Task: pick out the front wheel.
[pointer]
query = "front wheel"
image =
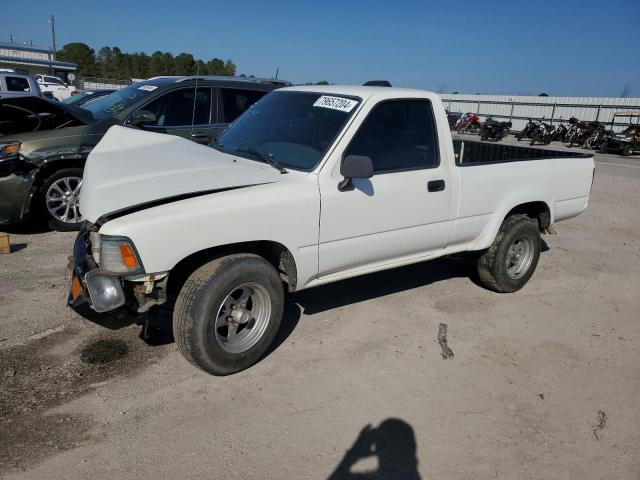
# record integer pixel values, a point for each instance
(510, 261)
(60, 194)
(627, 150)
(228, 313)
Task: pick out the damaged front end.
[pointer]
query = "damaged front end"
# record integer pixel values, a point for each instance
(108, 276)
(17, 177)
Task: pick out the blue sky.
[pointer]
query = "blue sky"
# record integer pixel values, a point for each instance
(562, 47)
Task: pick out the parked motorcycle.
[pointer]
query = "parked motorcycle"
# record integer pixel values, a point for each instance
(494, 130)
(469, 123)
(599, 136)
(542, 134)
(528, 130)
(453, 119)
(559, 132)
(575, 126)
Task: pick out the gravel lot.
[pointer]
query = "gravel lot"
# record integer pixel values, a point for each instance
(544, 383)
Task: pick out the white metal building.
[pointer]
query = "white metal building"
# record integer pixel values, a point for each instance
(29, 60)
(518, 109)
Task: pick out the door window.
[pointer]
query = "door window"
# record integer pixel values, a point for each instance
(235, 102)
(17, 84)
(398, 135)
(182, 107)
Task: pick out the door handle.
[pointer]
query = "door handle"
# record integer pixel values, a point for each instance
(435, 185)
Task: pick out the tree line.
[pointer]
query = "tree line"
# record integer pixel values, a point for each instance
(113, 63)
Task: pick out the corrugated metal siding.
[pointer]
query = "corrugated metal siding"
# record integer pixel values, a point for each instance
(519, 108)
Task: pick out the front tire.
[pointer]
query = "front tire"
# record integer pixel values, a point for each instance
(59, 199)
(510, 261)
(627, 151)
(228, 313)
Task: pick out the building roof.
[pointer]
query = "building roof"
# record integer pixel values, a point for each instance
(38, 63)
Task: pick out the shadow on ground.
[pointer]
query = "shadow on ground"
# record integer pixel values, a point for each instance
(392, 444)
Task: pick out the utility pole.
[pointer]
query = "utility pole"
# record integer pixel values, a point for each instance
(277, 71)
(52, 21)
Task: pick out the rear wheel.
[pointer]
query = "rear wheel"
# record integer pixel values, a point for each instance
(228, 313)
(59, 199)
(626, 149)
(510, 261)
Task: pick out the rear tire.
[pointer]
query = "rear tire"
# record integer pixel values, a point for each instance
(228, 312)
(510, 261)
(627, 150)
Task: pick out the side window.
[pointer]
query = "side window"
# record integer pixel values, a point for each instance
(17, 84)
(176, 109)
(235, 102)
(398, 135)
(55, 80)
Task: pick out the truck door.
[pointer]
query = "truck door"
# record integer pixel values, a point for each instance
(404, 210)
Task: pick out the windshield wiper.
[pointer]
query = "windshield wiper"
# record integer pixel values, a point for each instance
(265, 157)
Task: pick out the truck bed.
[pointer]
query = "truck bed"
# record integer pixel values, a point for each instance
(470, 153)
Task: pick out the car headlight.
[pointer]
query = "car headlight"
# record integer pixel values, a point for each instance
(118, 255)
(9, 149)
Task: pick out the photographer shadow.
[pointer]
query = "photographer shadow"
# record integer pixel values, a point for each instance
(394, 445)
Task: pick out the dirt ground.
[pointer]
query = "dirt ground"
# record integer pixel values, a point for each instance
(543, 383)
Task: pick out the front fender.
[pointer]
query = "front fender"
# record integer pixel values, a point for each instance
(166, 234)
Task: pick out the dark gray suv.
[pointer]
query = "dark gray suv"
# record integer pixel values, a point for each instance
(41, 171)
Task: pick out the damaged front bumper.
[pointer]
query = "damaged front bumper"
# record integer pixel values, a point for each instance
(95, 291)
(90, 288)
(16, 193)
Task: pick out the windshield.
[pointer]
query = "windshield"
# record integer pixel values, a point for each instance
(111, 104)
(293, 128)
(73, 99)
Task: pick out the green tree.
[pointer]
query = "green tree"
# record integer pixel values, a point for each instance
(184, 64)
(82, 55)
(113, 63)
(215, 66)
(543, 94)
(229, 68)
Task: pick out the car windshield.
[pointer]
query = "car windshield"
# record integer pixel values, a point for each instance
(111, 104)
(73, 99)
(293, 128)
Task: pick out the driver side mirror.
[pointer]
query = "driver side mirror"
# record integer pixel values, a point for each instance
(354, 166)
(142, 118)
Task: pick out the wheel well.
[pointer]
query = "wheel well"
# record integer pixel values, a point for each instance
(538, 210)
(275, 253)
(53, 166)
(43, 172)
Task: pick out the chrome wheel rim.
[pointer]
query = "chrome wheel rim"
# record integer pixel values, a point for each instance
(62, 199)
(243, 317)
(519, 257)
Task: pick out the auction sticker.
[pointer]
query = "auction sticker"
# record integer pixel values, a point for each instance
(336, 103)
(147, 88)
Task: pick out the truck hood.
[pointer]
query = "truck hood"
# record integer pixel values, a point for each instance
(130, 170)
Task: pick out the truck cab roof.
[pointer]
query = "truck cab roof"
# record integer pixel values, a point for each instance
(363, 92)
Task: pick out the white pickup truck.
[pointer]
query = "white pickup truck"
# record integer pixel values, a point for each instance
(311, 185)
